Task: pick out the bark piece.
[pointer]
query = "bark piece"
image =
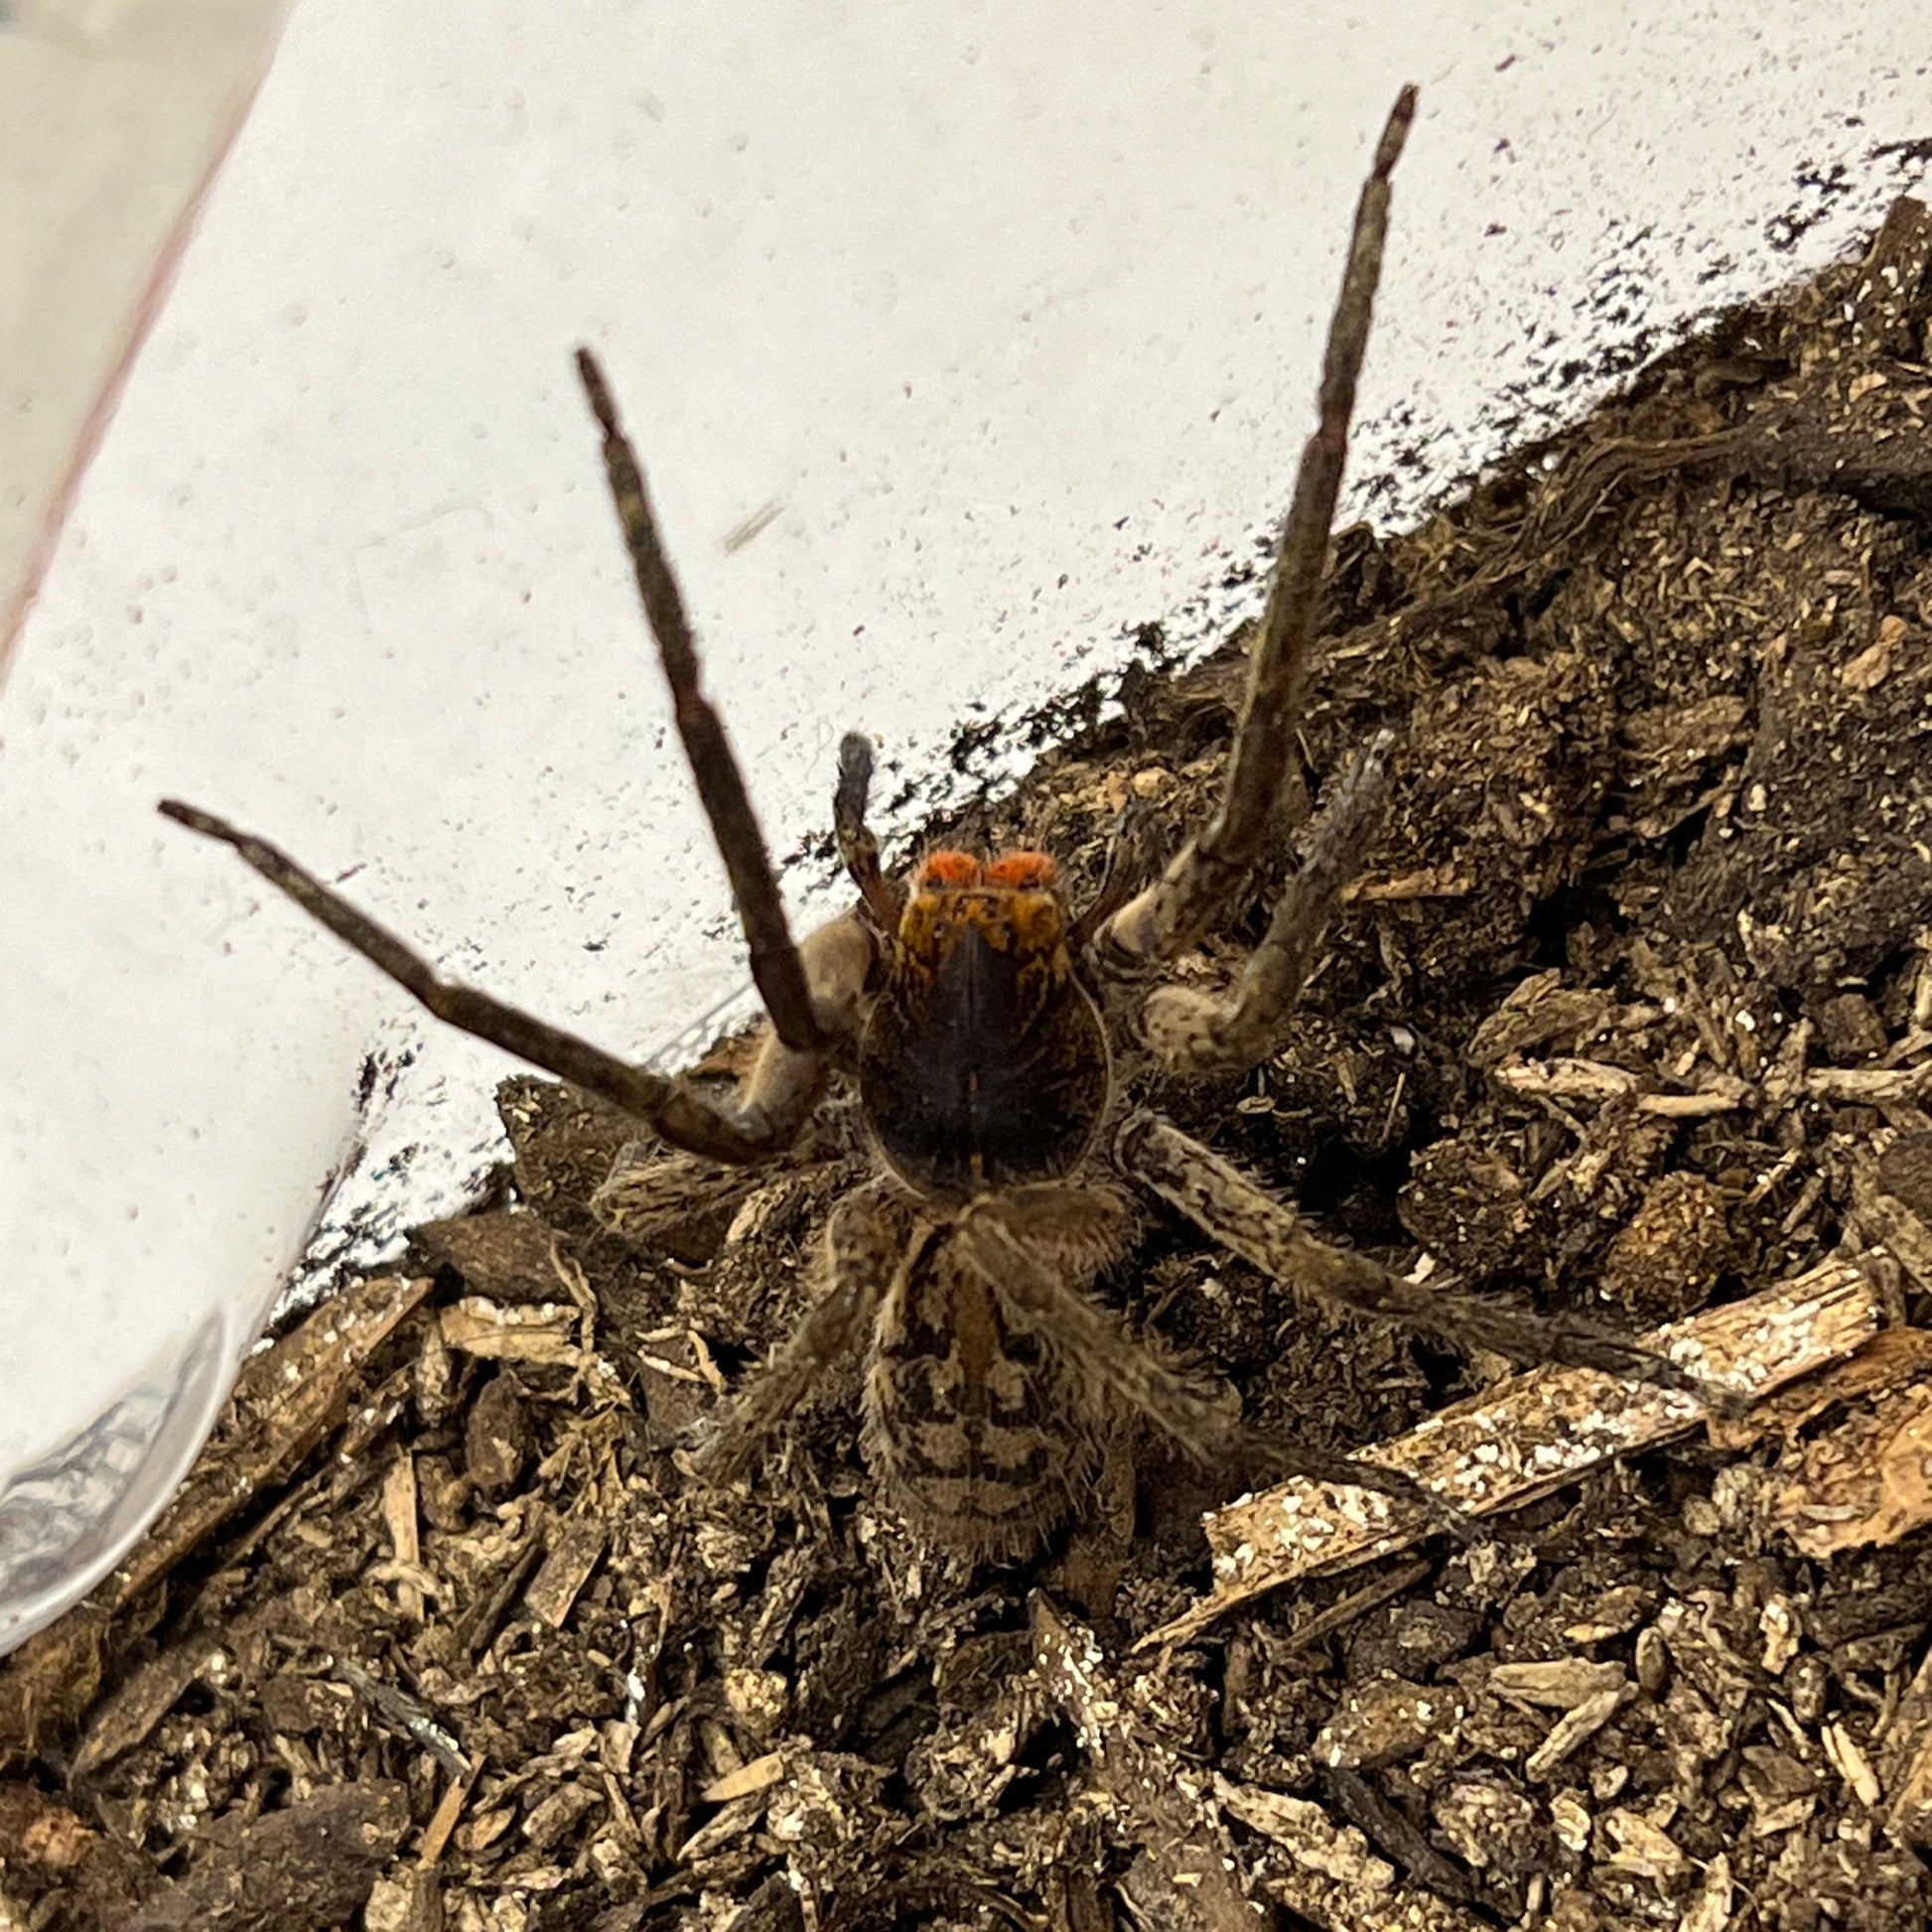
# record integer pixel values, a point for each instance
(286, 1400)
(126, 1718)
(1528, 1437)
(399, 1515)
(1383, 1722)
(508, 1255)
(544, 1331)
(1868, 1481)
(1164, 1802)
(1561, 1684)
(1892, 1358)
(41, 1835)
(1329, 1873)
(573, 1553)
(1907, 1770)
(496, 1436)
(299, 1870)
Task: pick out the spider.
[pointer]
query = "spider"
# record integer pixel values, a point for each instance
(960, 1003)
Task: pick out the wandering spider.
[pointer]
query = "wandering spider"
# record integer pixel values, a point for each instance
(961, 1006)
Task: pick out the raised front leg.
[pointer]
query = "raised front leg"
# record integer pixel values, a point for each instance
(814, 994)
(1175, 912)
(776, 969)
(771, 1108)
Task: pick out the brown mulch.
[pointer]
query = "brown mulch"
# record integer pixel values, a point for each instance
(1632, 1013)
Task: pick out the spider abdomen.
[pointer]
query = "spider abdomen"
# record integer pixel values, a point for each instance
(974, 1422)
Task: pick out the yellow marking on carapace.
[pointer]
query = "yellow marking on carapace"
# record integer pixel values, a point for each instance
(1028, 924)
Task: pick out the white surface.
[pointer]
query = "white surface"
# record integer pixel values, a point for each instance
(1014, 310)
(112, 115)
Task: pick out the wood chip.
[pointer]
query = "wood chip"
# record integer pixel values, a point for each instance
(1869, 1086)
(1866, 1482)
(543, 1333)
(1614, 1613)
(1869, 668)
(1852, 1764)
(1568, 1080)
(1426, 882)
(286, 1400)
(573, 1553)
(1722, 1093)
(1909, 1761)
(1309, 1835)
(1885, 1222)
(448, 1809)
(1335, 1881)
(124, 1719)
(504, 1256)
(758, 1775)
(308, 1865)
(1575, 1729)
(1528, 1437)
(1710, 1910)
(1165, 1802)
(1562, 1684)
(1892, 1357)
(731, 1824)
(41, 1839)
(1643, 1848)
(399, 1518)
(411, 1901)
(1884, 304)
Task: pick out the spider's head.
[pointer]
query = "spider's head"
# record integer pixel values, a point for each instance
(984, 1064)
(1012, 902)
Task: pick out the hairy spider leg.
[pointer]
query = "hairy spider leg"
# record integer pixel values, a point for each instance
(1198, 1031)
(864, 1248)
(813, 993)
(1243, 1217)
(776, 969)
(1173, 912)
(765, 1123)
(1198, 1425)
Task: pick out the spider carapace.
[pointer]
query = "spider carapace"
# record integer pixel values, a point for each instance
(984, 1063)
(961, 1004)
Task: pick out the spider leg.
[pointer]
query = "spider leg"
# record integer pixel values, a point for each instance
(1244, 1218)
(1198, 1425)
(1129, 860)
(858, 847)
(864, 1247)
(812, 992)
(776, 969)
(1195, 1031)
(777, 1097)
(1173, 913)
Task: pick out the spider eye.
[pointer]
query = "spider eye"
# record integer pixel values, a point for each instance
(1028, 872)
(949, 870)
